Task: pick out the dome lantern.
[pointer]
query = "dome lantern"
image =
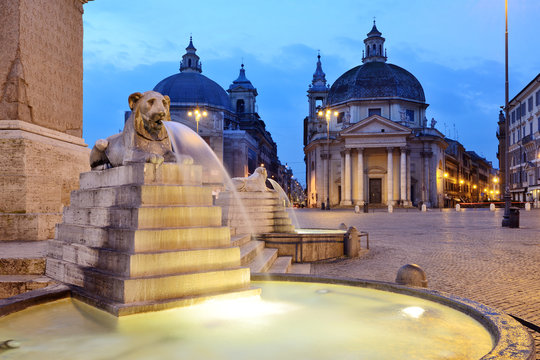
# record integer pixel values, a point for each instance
(190, 60)
(374, 46)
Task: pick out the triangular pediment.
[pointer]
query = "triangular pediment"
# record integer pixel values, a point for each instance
(376, 124)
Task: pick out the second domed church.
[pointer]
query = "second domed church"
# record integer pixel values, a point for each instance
(367, 139)
(227, 120)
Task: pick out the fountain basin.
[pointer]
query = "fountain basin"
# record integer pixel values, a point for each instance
(296, 317)
(309, 245)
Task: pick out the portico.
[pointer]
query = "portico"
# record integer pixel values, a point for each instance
(374, 161)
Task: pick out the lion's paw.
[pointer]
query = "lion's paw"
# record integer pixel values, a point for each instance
(155, 159)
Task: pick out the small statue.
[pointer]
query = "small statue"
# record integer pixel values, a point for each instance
(424, 122)
(144, 138)
(255, 182)
(433, 122)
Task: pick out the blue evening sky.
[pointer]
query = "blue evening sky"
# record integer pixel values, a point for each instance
(455, 49)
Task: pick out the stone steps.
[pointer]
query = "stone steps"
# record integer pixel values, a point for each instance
(11, 285)
(300, 269)
(241, 239)
(22, 265)
(142, 195)
(144, 240)
(282, 265)
(263, 261)
(146, 263)
(144, 217)
(139, 174)
(250, 250)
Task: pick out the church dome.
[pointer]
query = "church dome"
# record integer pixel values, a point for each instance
(194, 88)
(376, 80)
(190, 87)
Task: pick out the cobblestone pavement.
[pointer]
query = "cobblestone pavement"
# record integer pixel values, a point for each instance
(465, 253)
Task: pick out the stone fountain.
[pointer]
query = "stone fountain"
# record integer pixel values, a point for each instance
(140, 234)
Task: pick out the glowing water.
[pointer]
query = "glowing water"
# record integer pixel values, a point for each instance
(187, 142)
(291, 321)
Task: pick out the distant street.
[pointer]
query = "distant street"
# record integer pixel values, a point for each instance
(465, 253)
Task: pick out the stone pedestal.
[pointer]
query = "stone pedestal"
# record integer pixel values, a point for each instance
(139, 238)
(38, 170)
(254, 212)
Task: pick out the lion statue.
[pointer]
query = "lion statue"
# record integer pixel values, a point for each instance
(144, 138)
(255, 182)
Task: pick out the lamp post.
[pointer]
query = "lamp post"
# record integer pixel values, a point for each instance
(506, 216)
(327, 115)
(198, 114)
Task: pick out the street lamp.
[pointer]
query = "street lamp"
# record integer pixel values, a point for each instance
(506, 216)
(327, 115)
(198, 114)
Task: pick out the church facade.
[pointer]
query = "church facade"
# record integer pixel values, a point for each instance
(367, 138)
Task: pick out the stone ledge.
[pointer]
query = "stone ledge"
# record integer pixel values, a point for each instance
(18, 128)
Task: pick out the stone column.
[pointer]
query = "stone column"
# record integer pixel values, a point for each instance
(360, 177)
(347, 173)
(390, 176)
(324, 177)
(41, 74)
(408, 190)
(342, 177)
(403, 177)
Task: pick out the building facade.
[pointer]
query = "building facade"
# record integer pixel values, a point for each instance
(227, 120)
(524, 143)
(367, 139)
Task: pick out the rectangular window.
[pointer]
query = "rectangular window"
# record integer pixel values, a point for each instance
(531, 127)
(523, 109)
(513, 116)
(514, 136)
(409, 114)
(539, 124)
(538, 98)
(340, 117)
(519, 134)
(374, 112)
(530, 104)
(518, 113)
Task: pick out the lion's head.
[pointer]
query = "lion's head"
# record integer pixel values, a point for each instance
(149, 110)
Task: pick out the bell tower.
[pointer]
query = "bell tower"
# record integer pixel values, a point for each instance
(190, 60)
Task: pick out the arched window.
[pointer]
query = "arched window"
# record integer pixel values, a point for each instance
(240, 106)
(380, 49)
(189, 62)
(374, 49)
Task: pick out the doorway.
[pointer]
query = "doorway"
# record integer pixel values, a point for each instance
(375, 191)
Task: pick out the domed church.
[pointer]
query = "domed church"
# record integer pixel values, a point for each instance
(367, 139)
(227, 120)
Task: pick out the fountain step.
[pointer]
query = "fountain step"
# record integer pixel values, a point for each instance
(120, 309)
(135, 241)
(149, 263)
(259, 223)
(263, 261)
(136, 289)
(257, 196)
(241, 239)
(250, 250)
(282, 265)
(141, 195)
(300, 269)
(11, 285)
(175, 174)
(254, 214)
(144, 217)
